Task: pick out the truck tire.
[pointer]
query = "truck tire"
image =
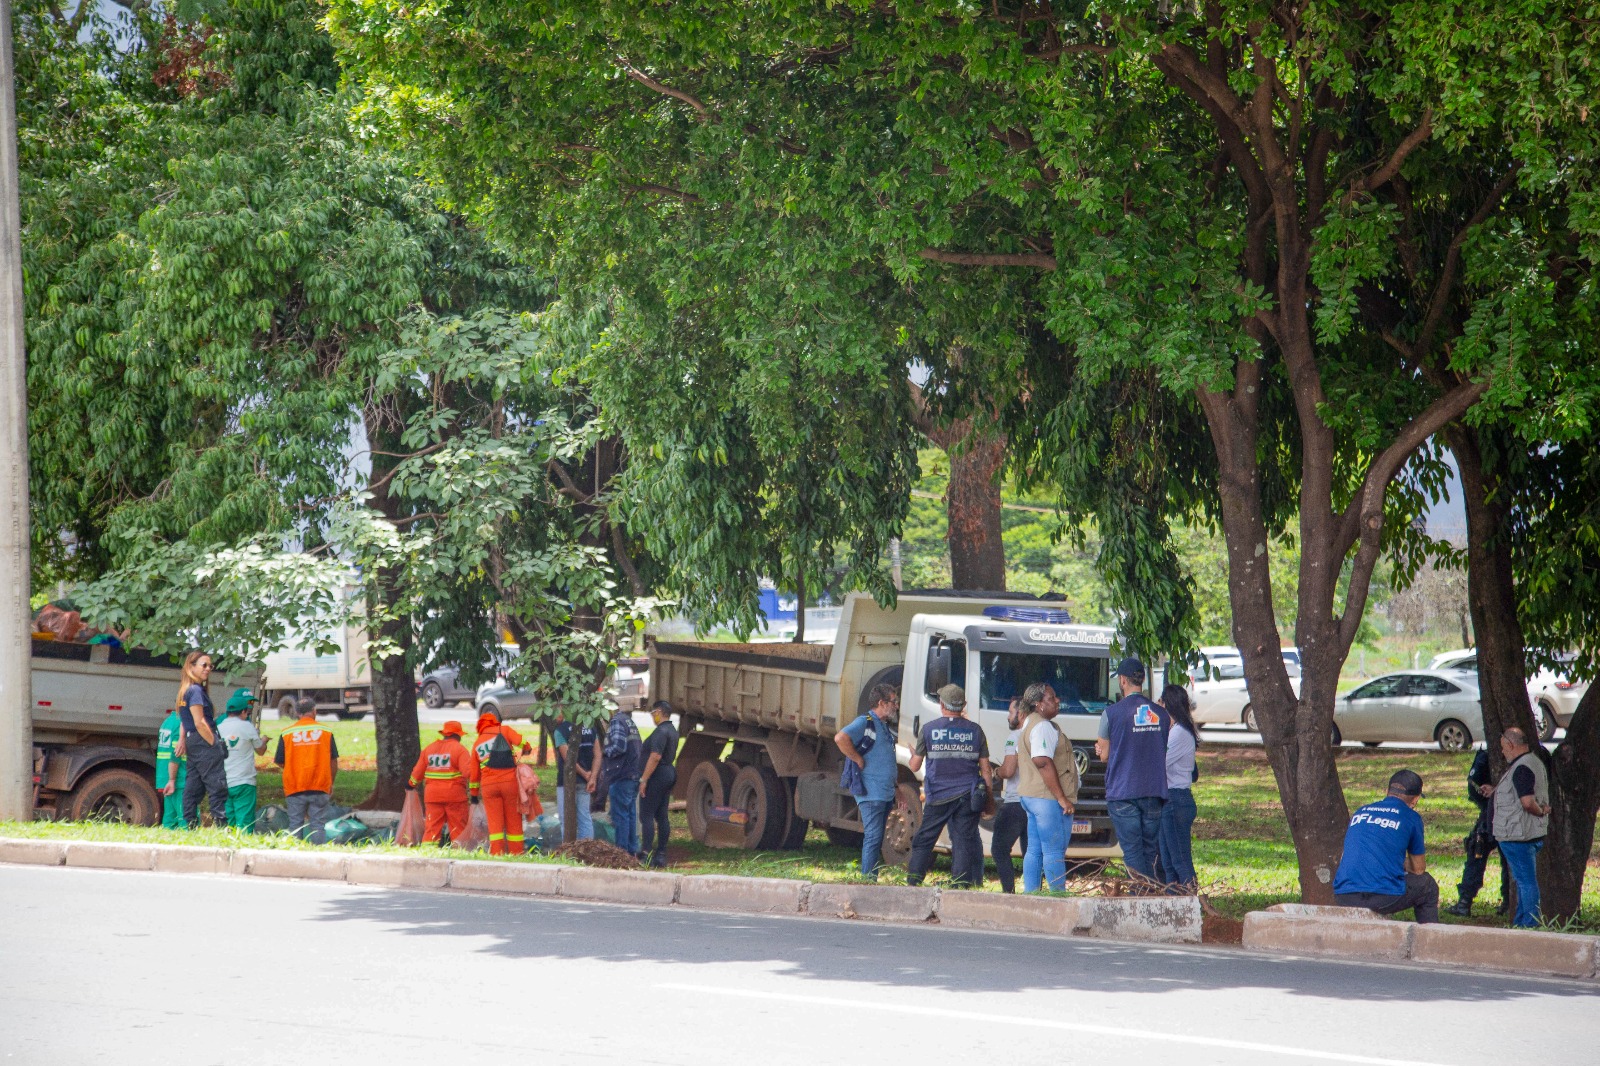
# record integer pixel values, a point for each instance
(902, 825)
(708, 787)
(795, 838)
(889, 675)
(351, 716)
(845, 838)
(114, 795)
(759, 793)
(287, 708)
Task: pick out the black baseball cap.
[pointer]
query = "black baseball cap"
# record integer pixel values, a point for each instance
(1406, 782)
(1132, 669)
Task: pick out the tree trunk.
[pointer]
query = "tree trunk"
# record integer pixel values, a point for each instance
(1575, 799)
(394, 694)
(394, 712)
(1492, 598)
(1502, 679)
(971, 499)
(972, 505)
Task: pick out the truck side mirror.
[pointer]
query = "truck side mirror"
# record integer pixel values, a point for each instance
(938, 668)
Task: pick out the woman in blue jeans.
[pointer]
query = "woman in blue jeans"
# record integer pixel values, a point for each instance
(1177, 817)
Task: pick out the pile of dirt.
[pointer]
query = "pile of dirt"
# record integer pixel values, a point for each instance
(1220, 929)
(598, 853)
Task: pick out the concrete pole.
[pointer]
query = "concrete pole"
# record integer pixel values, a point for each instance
(16, 625)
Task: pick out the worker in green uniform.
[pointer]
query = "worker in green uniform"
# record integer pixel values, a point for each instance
(171, 771)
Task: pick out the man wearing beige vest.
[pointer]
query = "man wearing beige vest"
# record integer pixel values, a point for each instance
(1521, 818)
(1047, 784)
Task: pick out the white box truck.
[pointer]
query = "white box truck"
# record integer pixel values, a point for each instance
(340, 682)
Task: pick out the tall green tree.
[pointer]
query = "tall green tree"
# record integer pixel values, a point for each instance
(1249, 216)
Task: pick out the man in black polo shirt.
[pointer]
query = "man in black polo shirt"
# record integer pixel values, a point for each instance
(957, 757)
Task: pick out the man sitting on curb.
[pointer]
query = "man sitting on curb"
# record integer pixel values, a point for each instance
(1384, 867)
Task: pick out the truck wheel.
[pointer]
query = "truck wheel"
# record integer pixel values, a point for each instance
(708, 788)
(115, 796)
(759, 793)
(889, 675)
(351, 716)
(902, 825)
(845, 838)
(795, 838)
(287, 708)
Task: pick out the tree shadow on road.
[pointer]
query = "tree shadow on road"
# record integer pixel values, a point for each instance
(920, 957)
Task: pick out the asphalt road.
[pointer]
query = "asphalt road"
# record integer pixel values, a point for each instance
(97, 968)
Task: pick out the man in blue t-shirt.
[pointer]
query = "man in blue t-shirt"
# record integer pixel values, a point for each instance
(1384, 867)
(1133, 743)
(957, 757)
(880, 771)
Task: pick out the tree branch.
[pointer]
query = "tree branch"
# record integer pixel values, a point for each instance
(1363, 518)
(665, 90)
(1038, 261)
(1383, 174)
(619, 549)
(1452, 261)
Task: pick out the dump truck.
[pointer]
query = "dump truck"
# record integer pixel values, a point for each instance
(96, 711)
(758, 720)
(339, 682)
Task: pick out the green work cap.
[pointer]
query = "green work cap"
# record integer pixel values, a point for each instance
(241, 700)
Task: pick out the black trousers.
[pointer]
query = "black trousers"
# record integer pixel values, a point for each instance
(1480, 844)
(966, 849)
(1420, 897)
(654, 824)
(206, 777)
(1010, 826)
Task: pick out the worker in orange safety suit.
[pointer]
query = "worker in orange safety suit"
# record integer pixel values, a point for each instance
(496, 750)
(449, 769)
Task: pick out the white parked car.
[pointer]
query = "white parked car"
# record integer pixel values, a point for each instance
(1554, 697)
(1218, 695)
(1414, 706)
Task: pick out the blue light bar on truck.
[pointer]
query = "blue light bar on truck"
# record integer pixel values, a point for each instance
(1038, 615)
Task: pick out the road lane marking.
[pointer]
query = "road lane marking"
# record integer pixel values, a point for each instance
(1045, 1023)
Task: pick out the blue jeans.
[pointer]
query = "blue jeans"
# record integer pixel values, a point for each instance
(1177, 853)
(624, 799)
(586, 823)
(1046, 857)
(1138, 826)
(1522, 857)
(874, 815)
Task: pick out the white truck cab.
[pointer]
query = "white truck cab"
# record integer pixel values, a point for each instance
(995, 657)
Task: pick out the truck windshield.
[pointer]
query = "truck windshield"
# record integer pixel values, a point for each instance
(1081, 681)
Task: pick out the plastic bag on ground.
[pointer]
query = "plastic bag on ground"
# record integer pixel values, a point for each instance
(408, 833)
(476, 838)
(272, 819)
(346, 830)
(528, 792)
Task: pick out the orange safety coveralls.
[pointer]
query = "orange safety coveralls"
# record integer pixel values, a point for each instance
(449, 768)
(502, 802)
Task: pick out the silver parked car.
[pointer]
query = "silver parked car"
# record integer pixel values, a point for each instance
(1415, 706)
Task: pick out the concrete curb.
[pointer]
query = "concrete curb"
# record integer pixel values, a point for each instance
(1291, 928)
(1358, 935)
(749, 895)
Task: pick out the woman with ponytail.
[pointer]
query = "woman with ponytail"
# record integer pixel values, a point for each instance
(1177, 816)
(205, 751)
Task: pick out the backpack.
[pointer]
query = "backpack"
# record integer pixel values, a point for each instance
(852, 778)
(500, 756)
